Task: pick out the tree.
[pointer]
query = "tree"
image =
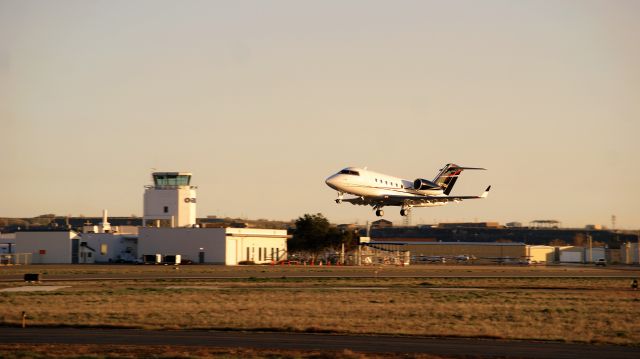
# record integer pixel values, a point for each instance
(315, 234)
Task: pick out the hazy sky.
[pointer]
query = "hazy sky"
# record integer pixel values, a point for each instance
(262, 100)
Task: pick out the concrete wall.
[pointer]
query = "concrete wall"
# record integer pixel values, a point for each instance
(218, 245)
(184, 241)
(180, 203)
(591, 256)
(541, 254)
(257, 245)
(110, 247)
(575, 254)
(47, 247)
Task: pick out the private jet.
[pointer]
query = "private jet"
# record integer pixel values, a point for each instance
(378, 190)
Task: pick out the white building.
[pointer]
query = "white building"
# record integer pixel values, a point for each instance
(228, 246)
(50, 247)
(541, 254)
(574, 254)
(108, 248)
(170, 201)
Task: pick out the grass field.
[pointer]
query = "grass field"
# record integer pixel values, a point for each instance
(596, 310)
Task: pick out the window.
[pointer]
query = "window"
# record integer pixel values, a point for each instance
(166, 209)
(103, 249)
(350, 172)
(171, 179)
(247, 253)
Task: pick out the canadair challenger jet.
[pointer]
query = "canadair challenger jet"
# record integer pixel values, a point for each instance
(379, 190)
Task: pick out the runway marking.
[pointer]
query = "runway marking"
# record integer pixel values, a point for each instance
(35, 288)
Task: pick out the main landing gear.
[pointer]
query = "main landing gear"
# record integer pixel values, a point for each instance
(379, 212)
(404, 212)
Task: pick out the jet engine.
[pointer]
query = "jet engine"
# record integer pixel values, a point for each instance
(423, 184)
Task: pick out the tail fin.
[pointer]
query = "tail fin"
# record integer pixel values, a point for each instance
(449, 175)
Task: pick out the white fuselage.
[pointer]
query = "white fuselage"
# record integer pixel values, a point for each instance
(364, 183)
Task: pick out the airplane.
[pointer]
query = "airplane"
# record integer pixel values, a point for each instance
(378, 190)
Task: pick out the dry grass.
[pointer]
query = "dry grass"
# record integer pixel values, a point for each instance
(581, 310)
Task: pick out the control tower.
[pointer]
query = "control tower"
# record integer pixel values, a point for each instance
(170, 201)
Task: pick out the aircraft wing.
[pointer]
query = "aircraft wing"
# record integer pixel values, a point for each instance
(398, 200)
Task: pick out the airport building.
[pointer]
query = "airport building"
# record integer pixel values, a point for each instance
(482, 252)
(49, 247)
(228, 246)
(170, 201)
(168, 229)
(492, 252)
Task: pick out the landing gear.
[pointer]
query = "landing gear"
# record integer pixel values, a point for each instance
(339, 199)
(379, 212)
(404, 211)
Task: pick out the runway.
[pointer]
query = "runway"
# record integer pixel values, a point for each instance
(328, 342)
(73, 273)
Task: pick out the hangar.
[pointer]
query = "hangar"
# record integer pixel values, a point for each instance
(228, 246)
(49, 247)
(482, 251)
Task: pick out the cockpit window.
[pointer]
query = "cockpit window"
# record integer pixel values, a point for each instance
(350, 172)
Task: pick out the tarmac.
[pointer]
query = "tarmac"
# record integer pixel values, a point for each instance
(325, 342)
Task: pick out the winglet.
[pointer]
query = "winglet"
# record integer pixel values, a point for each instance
(486, 192)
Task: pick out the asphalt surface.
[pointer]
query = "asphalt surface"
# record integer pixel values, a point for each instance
(485, 348)
(77, 272)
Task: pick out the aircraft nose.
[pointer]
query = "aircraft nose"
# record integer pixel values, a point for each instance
(331, 181)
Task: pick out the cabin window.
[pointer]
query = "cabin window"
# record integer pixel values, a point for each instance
(350, 172)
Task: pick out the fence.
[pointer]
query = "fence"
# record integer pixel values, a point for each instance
(15, 259)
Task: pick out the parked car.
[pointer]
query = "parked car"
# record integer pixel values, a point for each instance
(601, 262)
